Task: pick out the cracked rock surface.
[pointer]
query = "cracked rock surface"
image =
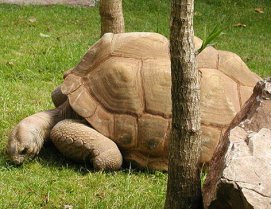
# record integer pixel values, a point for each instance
(240, 172)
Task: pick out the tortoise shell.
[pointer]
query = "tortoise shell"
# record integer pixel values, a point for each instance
(122, 87)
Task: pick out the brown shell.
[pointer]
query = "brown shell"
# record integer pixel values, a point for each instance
(122, 86)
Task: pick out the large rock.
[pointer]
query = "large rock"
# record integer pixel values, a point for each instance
(240, 171)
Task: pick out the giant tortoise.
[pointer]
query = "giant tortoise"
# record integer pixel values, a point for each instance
(120, 96)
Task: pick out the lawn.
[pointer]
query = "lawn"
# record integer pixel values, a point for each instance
(39, 43)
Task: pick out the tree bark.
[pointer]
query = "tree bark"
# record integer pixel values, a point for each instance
(183, 189)
(111, 16)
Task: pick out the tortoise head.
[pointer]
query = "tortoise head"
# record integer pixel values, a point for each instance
(22, 144)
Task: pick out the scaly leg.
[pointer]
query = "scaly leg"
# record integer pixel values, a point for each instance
(81, 143)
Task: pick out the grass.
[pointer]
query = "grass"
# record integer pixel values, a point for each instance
(32, 64)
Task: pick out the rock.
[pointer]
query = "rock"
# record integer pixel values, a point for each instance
(239, 176)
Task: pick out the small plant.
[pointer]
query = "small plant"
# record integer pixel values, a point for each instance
(203, 175)
(209, 40)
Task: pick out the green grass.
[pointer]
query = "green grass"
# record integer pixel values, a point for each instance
(31, 66)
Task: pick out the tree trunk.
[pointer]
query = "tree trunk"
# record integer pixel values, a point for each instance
(183, 189)
(111, 16)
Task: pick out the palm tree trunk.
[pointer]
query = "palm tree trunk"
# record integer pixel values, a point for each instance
(111, 16)
(183, 189)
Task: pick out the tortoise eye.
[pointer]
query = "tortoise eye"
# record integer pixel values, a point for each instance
(23, 151)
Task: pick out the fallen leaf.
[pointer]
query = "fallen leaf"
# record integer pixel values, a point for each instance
(246, 58)
(198, 14)
(241, 25)
(100, 195)
(259, 10)
(68, 207)
(44, 35)
(47, 198)
(32, 19)
(10, 63)
(17, 53)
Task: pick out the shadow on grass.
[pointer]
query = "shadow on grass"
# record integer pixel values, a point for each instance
(50, 157)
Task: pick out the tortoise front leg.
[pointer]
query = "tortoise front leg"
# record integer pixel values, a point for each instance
(27, 138)
(81, 143)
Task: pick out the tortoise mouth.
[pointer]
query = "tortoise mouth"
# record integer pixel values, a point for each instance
(18, 154)
(14, 156)
(22, 157)
(17, 160)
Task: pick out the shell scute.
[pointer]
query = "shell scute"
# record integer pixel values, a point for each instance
(140, 45)
(125, 131)
(97, 53)
(233, 66)
(70, 84)
(210, 138)
(82, 102)
(203, 58)
(102, 121)
(117, 85)
(122, 87)
(152, 135)
(157, 85)
(219, 98)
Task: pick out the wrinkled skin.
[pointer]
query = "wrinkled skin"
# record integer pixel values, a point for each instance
(73, 138)
(24, 142)
(28, 137)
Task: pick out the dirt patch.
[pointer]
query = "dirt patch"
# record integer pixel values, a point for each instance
(49, 2)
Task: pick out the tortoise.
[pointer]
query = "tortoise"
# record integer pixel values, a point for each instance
(120, 96)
